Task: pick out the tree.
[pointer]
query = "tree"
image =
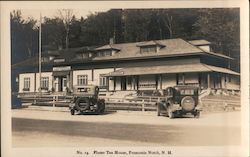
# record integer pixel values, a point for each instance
(221, 27)
(53, 33)
(24, 37)
(66, 15)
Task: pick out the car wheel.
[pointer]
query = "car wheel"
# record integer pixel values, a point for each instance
(72, 111)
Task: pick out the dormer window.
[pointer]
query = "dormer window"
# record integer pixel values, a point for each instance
(106, 50)
(150, 47)
(44, 59)
(82, 55)
(104, 53)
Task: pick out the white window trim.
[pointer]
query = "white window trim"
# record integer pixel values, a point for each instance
(82, 80)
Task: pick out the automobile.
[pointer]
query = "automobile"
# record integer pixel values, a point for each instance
(178, 101)
(86, 100)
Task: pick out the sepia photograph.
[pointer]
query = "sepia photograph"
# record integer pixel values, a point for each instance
(127, 81)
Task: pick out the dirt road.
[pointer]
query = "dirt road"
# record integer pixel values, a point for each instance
(56, 129)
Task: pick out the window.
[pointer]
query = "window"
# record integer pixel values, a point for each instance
(82, 79)
(44, 82)
(103, 81)
(82, 55)
(27, 83)
(148, 49)
(181, 79)
(187, 92)
(104, 53)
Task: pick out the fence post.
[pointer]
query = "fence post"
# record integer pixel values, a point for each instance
(34, 102)
(54, 97)
(143, 105)
(225, 105)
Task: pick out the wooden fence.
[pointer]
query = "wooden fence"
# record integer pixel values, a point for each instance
(141, 103)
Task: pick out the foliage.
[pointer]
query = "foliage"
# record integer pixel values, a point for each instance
(24, 41)
(219, 26)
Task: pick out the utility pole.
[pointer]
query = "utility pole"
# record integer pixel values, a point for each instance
(40, 53)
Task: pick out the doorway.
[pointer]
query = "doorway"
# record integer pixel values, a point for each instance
(123, 83)
(64, 84)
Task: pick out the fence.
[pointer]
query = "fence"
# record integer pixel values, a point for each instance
(219, 104)
(141, 103)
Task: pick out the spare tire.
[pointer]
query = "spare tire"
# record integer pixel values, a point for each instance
(188, 103)
(82, 103)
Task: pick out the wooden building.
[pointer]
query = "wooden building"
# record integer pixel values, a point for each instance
(139, 66)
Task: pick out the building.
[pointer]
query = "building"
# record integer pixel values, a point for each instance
(140, 66)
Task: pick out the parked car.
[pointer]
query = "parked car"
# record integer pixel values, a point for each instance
(178, 101)
(85, 99)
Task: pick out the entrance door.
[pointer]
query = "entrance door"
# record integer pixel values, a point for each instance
(64, 84)
(123, 83)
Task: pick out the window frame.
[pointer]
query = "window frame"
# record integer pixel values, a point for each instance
(148, 49)
(82, 80)
(26, 83)
(103, 81)
(44, 83)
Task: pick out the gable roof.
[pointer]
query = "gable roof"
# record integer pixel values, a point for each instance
(128, 51)
(172, 47)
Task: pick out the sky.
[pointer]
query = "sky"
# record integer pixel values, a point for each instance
(28, 13)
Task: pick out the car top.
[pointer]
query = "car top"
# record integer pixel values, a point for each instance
(185, 87)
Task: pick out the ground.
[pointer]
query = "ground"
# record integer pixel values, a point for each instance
(36, 128)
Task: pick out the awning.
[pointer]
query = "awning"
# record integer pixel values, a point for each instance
(60, 73)
(222, 70)
(168, 69)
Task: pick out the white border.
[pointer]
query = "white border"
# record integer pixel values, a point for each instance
(6, 7)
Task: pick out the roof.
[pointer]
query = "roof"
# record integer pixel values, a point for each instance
(199, 42)
(221, 70)
(30, 62)
(149, 43)
(173, 47)
(168, 69)
(106, 47)
(127, 51)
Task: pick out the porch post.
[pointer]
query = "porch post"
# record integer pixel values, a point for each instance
(208, 80)
(160, 80)
(183, 79)
(225, 80)
(53, 84)
(71, 80)
(68, 82)
(114, 81)
(107, 80)
(133, 82)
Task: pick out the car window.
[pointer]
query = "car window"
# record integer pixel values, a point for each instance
(187, 92)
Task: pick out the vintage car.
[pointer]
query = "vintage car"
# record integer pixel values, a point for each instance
(178, 101)
(85, 99)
